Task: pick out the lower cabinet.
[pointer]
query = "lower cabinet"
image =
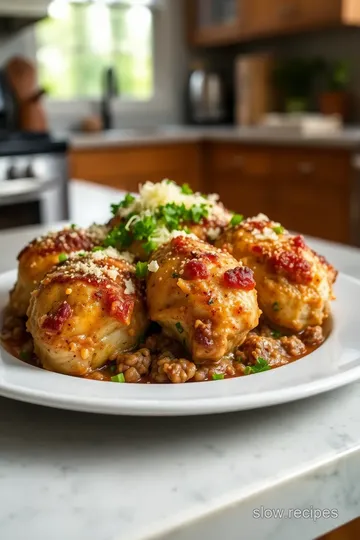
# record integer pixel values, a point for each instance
(127, 167)
(307, 189)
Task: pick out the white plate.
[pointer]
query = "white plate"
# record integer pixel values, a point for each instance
(334, 364)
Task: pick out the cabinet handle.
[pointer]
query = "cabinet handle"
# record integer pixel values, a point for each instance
(238, 161)
(305, 167)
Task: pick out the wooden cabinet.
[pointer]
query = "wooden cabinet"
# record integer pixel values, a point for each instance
(313, 192)
(127, 167)
(214, 22)
(240, 175)
(284, 16)
(307, 190)
(253, 19)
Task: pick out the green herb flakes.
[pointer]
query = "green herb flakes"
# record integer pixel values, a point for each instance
(236, 219)
(260, 365)
(118, 378)
(279, 229)
(125, 203)
(218, 376)
(186, 189)
(62, 257)
(276, 306)
(141, 269)
(179, 327)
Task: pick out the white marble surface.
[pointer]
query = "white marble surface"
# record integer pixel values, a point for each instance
(75, 476)
(346, 138)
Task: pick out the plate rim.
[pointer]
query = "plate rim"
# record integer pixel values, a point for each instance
(177, 406)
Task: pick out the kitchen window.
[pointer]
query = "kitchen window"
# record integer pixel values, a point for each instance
(80, 39)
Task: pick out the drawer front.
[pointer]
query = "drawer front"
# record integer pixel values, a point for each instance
(316, 166)
(124, 166)
(240, 158)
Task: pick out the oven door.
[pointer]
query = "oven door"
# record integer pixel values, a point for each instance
(30, 201)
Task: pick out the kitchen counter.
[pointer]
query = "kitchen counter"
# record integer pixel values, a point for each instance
(74, 476)
(347, 138)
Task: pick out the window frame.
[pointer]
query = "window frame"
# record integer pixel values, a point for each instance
(162, 99)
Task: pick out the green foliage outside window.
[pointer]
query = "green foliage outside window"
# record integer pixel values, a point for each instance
(76, 47)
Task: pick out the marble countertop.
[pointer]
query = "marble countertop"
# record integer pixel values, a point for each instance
(71, 476)
(346, 138)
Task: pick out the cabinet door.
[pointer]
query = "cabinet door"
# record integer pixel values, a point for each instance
(282, 16)
(214, 22)
(312, 192)
(241, 175)
(127, 167)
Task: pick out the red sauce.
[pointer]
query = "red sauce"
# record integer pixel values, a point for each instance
(298, 242)
(212, 257)
(120, 309)
(293, 266)
(180, 244)
(240, 277)
(258, 225)
(54, 322)
(196, 269)
(117, 306)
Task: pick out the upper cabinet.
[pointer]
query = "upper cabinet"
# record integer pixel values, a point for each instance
(240, 20)
(214, 22)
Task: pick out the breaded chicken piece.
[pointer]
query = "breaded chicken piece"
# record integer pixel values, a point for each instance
(42, 254)
(294, 284)
(202, 297)
(86, 310)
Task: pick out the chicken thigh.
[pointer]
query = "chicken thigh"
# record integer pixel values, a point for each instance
(42, 254)
(294, 284)
(86, 310)
(202, 297)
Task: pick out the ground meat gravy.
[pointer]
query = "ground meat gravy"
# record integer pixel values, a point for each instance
(160, 359)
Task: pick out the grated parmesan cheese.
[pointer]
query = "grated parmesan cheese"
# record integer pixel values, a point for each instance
(129, 287)
(153, 266)
(213, 233)
(152, 195)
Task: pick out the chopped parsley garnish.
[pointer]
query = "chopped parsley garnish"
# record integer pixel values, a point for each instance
(118, 378)
(145, 226)
(186, 189)
(62, 257)
(211, 301)
(236, 219)
(118, 237)
(175, 275)
(218, 376)
(73, 226)
(141, 269)
(260, 365)
(279, 229)
(82, 254)
(179, 327)
(276, 334)
(25, 355)
(98, 248)
(276, 306)
(125, 203)
(150, 246)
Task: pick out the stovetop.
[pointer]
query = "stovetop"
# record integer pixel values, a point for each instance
(27, 143)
